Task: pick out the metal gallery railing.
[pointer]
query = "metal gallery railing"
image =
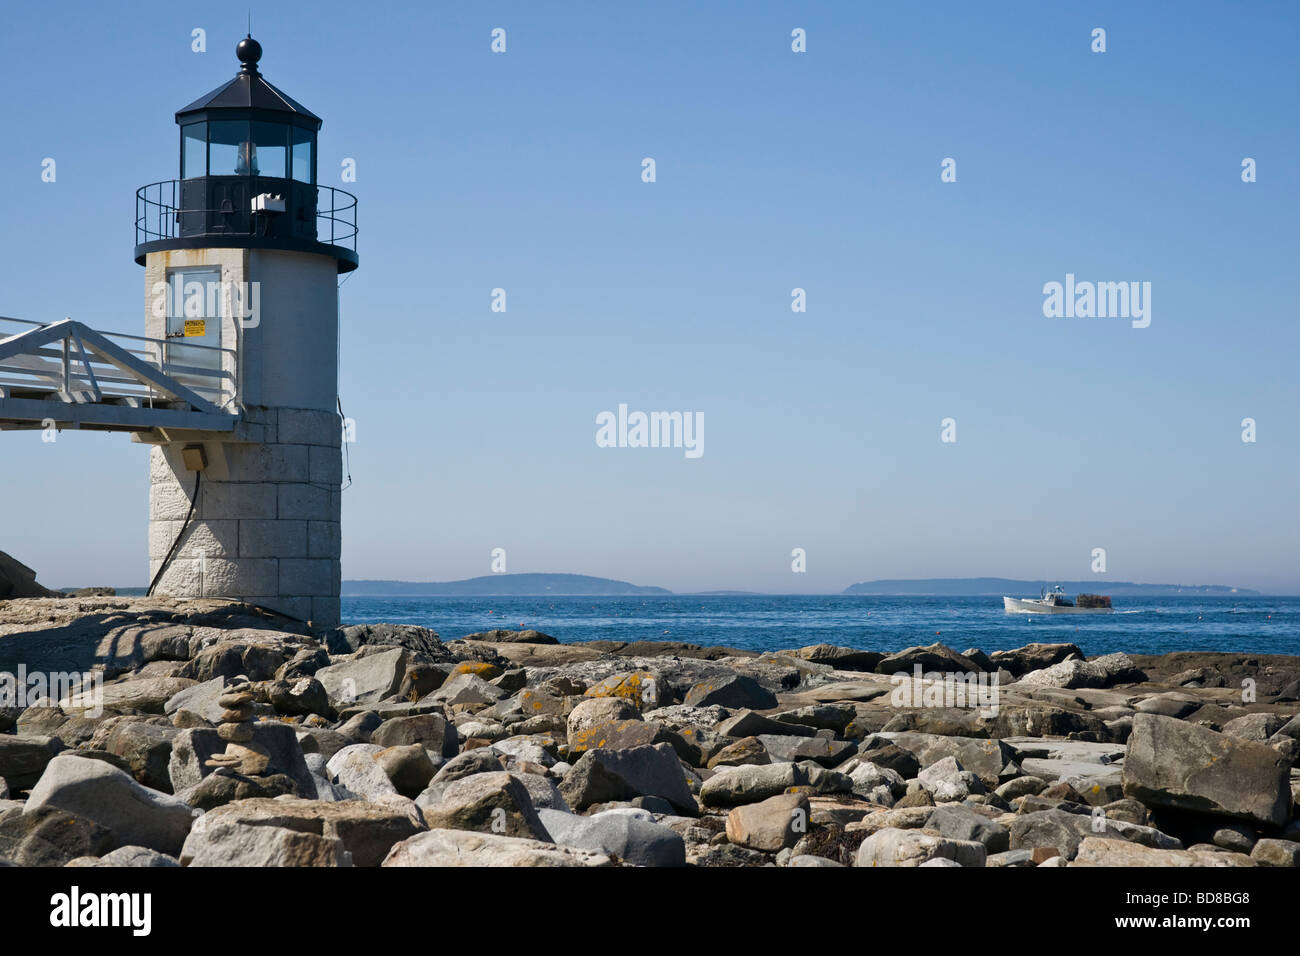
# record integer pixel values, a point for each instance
(160, 214)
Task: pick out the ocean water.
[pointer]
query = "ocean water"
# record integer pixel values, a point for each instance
(1260, 625)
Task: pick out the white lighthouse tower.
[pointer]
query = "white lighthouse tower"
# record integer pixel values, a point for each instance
(242, 257)
(234, 384)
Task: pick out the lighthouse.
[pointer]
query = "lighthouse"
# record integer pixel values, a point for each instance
(242, 256)
(234, 384)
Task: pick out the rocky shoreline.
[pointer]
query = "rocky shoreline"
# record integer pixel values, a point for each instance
(215, 734)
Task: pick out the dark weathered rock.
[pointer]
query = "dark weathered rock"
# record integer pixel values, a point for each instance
(305, 663)
(256, 655)
(746, 750)
(1178, 765)
(17, 580)
(481, 760)
(746, 723)
(467, 689)
(834, 717)
(489, 803)
(736, 785)
(736, 691)
(1034, 657)
(147, 749)
(823, 748)
(987, 759)
(423, 642)
(840, 658)
(501, 636)
(1065, 831)
(931, 658)
(24, 759)
(431, 731)
(885, 753)
(50, 837)
(302, 696)
(600, 776)
(961, 822)
(224, 786)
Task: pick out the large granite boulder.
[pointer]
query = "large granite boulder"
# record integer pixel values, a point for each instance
(367, 830)
(1182, 766)
(471, 848)
(490, 803)
(242, 844)
(629, 835)
(130, 811)
(366, 679)
(602, 775)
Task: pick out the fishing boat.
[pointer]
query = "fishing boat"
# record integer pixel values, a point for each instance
(1055, 602)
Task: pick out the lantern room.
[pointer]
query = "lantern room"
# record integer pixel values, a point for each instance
(247, 177)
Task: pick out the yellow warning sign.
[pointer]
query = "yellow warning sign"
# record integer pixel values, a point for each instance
(196, 328)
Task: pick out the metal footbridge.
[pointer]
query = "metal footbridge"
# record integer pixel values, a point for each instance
(68, 375)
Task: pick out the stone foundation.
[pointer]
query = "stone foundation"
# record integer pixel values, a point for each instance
(266, 526)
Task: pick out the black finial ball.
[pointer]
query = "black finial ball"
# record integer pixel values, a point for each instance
(249, 52)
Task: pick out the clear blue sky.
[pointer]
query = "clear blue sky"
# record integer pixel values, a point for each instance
(776, 170)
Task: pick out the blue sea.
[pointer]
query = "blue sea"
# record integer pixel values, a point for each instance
(1260, 625)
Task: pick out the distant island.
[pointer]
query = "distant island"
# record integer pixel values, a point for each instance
(1006, 586)
(585, 585)
(524, 585)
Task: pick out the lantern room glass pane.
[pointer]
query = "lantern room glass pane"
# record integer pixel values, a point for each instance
(229, 148)
(194, 150)
(302, 158)
(271, 149)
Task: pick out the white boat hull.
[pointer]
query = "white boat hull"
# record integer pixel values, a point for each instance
(1032, 606)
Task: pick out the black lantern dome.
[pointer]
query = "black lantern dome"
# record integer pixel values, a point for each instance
(247, 176)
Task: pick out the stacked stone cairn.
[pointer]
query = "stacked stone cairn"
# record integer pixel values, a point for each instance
(243, 755)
